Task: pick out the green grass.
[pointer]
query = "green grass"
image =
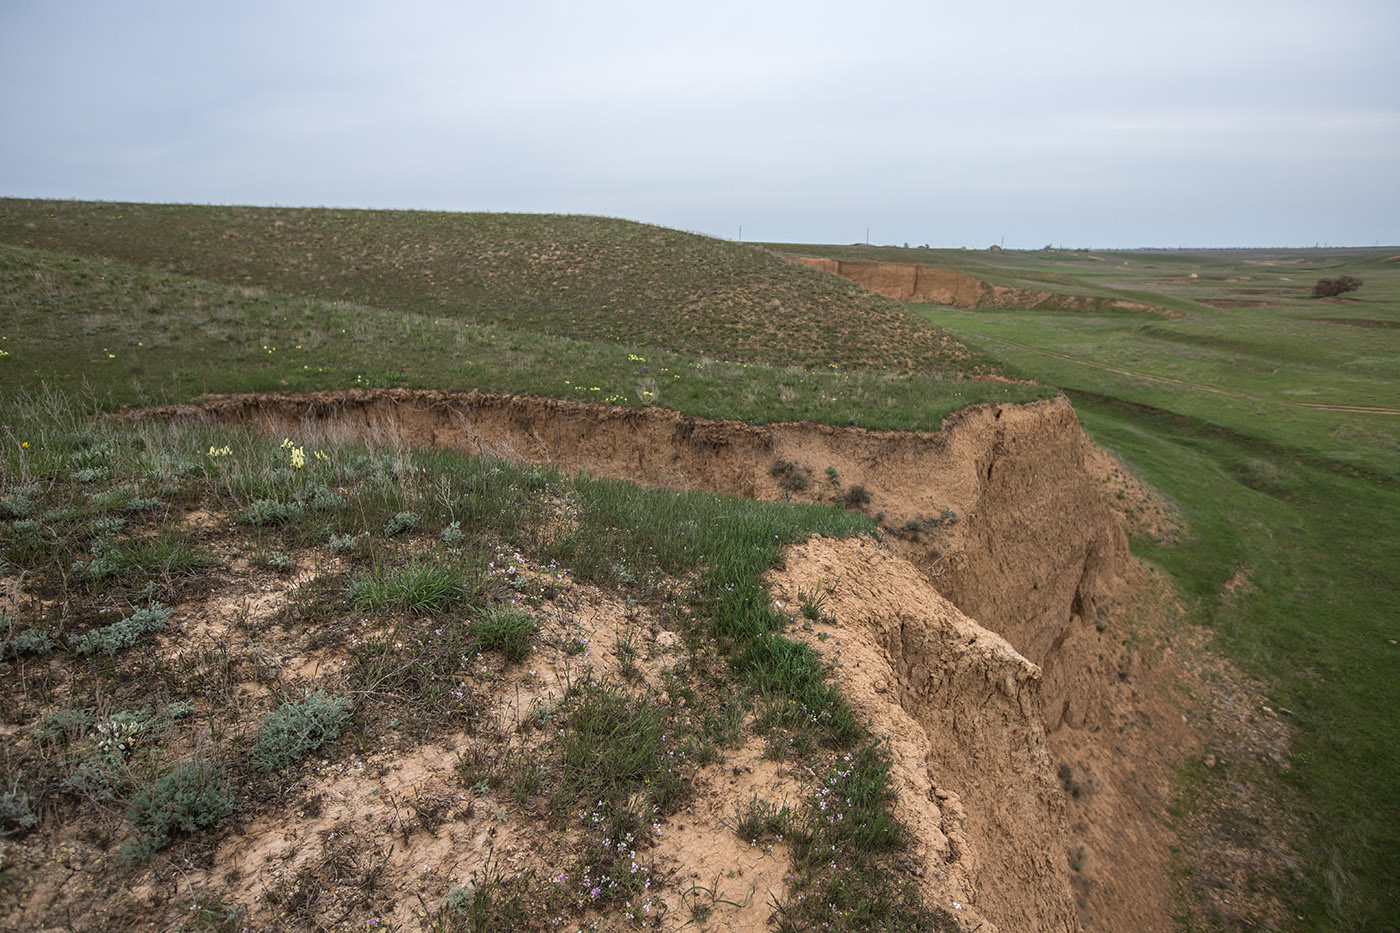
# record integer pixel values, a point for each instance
(506, 630)
(133, 336)
(417, 587)
(587, 278)
(1317, 624)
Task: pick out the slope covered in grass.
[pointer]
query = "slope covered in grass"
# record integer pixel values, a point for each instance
(139, 336)
(584, 277)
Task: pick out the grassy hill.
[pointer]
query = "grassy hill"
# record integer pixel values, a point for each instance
(588, 278)
(1236, 409)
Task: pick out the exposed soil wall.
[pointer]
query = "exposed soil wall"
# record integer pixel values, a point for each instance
(961, 706)
(907, 281)
(1005, 645)
(1027, 547)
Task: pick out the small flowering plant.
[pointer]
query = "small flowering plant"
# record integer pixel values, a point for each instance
(298, 454)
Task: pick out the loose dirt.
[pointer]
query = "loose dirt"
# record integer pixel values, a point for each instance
(371, 838)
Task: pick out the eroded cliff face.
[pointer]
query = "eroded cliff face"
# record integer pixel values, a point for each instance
(907, 281)
(997, 508)
(1003, 646)
(960, 708)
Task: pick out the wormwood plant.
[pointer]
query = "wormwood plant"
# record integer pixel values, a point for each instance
(33, 642)
(125, 634)
(401, 523)
(264, 512)
(193, 796)
(295, 730)
(16, 813)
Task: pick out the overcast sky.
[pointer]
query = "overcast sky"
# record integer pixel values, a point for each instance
(1102, 124)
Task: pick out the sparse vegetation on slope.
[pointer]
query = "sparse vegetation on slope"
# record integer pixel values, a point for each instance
(135, 336)
(589, 278)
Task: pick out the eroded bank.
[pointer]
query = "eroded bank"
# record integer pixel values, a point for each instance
(1010, 658)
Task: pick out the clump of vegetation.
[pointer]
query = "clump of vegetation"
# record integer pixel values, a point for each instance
(36, 641)
(401, 523)
(452, 535)
(790, 476)
(264, 512)
(169, 554)
(16, 506)
(279, 561)
(418, 587)
(760, 819)
(341, 544)
(16, 813)
(813, 605)
(857, 497)
(294, 730)
(507, 630)
(109, 639)
(1331, 288)
(616, 746)
(193, 796)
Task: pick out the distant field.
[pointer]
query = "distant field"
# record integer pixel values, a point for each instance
(1221, 410)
